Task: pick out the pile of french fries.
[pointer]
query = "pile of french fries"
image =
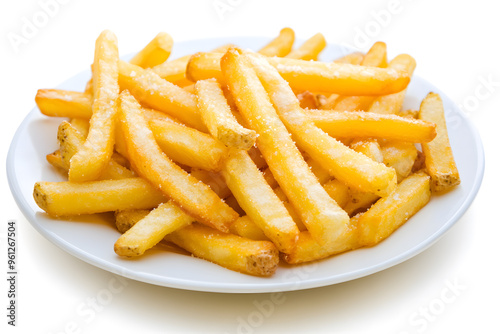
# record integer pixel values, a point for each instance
(242, 158)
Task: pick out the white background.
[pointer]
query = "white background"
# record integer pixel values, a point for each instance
(456, 47)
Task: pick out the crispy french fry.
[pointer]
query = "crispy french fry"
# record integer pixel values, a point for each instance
(369, 147)
(252, 257)
(308, 249)
(389, 213)
(217, 116)
(188, 146)
(439, 160)
(56, 160)
(125, 219)
(70, 141)
(281, 45)
(215, 181)
(76, 198)
(91, 159)
(354, 58)
(310, 49)
(64, 103)
(338, 191)
(259, 201)
(362, 124)
(349, 166)
(315, 76)
(392, 103)
(151, 229)
(146, 157)
(318, 211)
(155, 52)
(376, 57)
(81, 125)
(246, 228)
(173, 70)
(400, 156)
(148, 88)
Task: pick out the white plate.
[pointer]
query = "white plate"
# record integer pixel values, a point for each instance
(91, 238)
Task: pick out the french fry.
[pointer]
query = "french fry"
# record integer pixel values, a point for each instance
(155, 52)
(147, 159)
(217, 116)
(308, 100)
(246, 228)
(376, 57)
(173, 70)
(81, 125)
(354, 58)
(315, 76)
(70, 140)
(392, 103)
(259, 201)
(318, 211)
(215, 181)
(400, 156)
(64, 103)
(310, 49)
(369, 147)
(91, 159)
(308, 249)
(188, 146)
(75, 198)
(151, 229)
(230, 251)
(338, 191)
(56, 161)
(360, 124)
(389, 213)
(349, 166)
(148, 88)
(439, 160)
(281, 45)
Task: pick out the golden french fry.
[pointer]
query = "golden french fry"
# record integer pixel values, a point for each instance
(392, 103)
(64, 103)
(439, 160)
(173, 70)
(217, 116)
(315, 76)
(349, 166)
(400, 156)
(148, 88)
(155, 52)
(70, 141)
(281, 45)
(82, 125)
(151, 229)
(376, 57)
(215, 181)
(369, 147)
(338, 191)
(354, 58)
(259, 201)
(146, 157)
(91, 159)
(246, 228)
(389, 213)
(125, 219)
(56, 160)
(360, 124)
(188, 146)
(308, 249)
(252, 257)
(318, 211)
(310, 49)
(76, 198)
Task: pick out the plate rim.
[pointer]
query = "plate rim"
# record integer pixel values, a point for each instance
(225, 287)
